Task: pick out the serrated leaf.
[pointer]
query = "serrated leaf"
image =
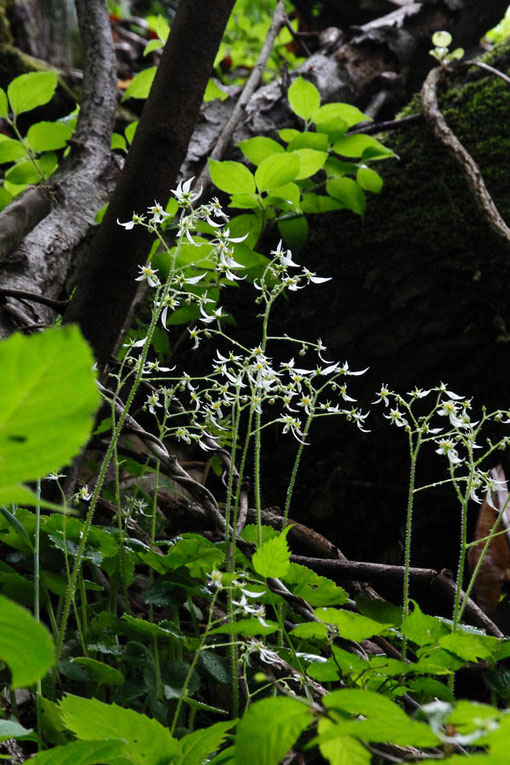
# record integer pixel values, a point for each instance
(141, 84)
(11, 150)
(195, 747)
(315, 589)
(304, 98)
(423, 629)
(101, 672)
(272, 559)
(276, 170)
(47, 398)
(258, 148)
(468, 647)
(113, 752)
(25, 645)
(269, 729)
(232, 177)
(28, 91)
(147, 741)
(48, 136)
(310, 630)
(351, 626)
(347, 191)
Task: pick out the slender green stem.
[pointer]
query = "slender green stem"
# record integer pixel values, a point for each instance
(295, 467)
(414, 449)
(37, 603)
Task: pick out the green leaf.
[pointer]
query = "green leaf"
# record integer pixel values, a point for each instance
(246, 224)
(47, 136)
(103, 673)
(148, 630)
(130, 131)
(25, 645)
(11, 150)
(310, 162)
(304, 98)
(23, 173)
(351, 626)
(467, 646)
(118, 142)
(28, 91)
(141, 84)
(315, 589)
(147, 741)
(195, 748)
(310, 630)
(290, 193)
(364, 146)
(294, 231)
(369, 180)
(272, 559)
(213, 91)
(151, 46)
(250, 533)
(12, 729)
(287, 134)
(380, 610)
(258, 148)
(232, 177)
(276, 171)
(197, 553)
(343, 750)
(161, 27)
(4, 108)
(423, 629)
(318, 203)
(337, 118)
(245, 201)
(269, 729)
(307, 140)
(85, 753)
(348, 192)
(47, 398)
(216, 665)
(5, 198)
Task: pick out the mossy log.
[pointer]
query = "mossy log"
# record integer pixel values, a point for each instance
(420, 295)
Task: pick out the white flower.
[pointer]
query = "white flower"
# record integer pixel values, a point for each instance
(448, 447)
(216, 315)
(183, 193)
(284, 256)
(449, 409)
(442, 389)
(148, 274)
(396, 418)
(152, 402)
(132, 223)
(84, 494)
(157, 212)
(55, 476)
(383, 396)
(311, 277)
(215, 579)
(346, 371)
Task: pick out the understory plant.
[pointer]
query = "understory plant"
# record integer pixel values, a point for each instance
(164, 644)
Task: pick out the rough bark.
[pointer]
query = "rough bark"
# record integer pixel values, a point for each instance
(42, 261)
(106, 284)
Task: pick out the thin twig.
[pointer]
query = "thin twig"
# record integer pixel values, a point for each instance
(250, 87)
(58, 305)
(476, 184)
(489, 68)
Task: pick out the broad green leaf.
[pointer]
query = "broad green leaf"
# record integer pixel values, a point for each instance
(101, 672)
(250, 533)
(22, 495)
(195, 747)
(288, 134)
(22, 173)
(429, 689)
(232, 177)
(213, 91)
(130, 131)
(468, 647)
(442, 39)
(269, 729)
(25, 645)
(348, 193)
(216, 665)
(380, 610)
(161, 27)
(5, 198)
(85, 753)
(4, 108)
(11, 150)
(361, 146)
(48, 163)
(272, 559)
(307, 140)
(30, 90)
(310, 162)
(47, 398)
(258, 148)
(276, 171)
(246, 224)
(294, 231)
(147, 741)
(318, 203)
(290, 193)
(245, 201)
(47, 136)
(369, 180)
(197, 553)
(351, 626)
(315, 589)
(310, 630)
(141, 84)
(12, 729)
(145, 629)
(343, 750)
(304, 98)
(337, 168)
(333, 118)
(423, 629)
